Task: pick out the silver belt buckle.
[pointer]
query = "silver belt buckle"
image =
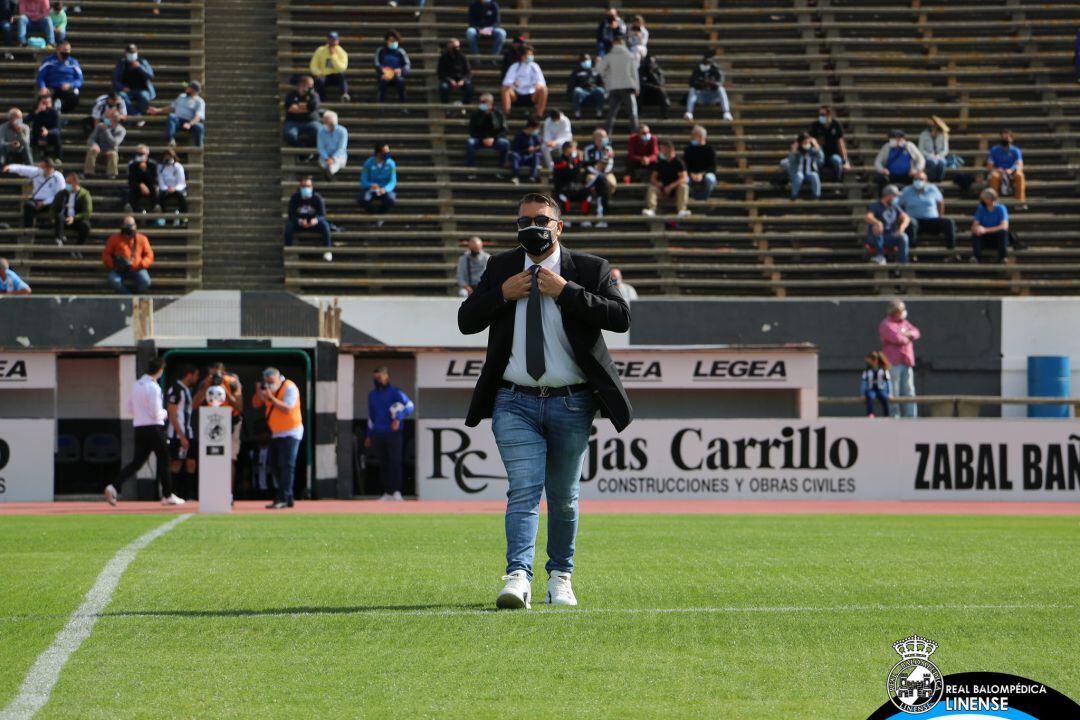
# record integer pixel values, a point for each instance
(544, 389)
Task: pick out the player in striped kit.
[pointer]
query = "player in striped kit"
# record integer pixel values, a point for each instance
(179, 431)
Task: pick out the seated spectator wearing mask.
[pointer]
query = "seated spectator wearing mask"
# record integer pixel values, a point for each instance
(471, 266)
(378, 181)
(484, 22)
(568, 180)
(133, 79)
(15, 139)
(584, 87)
(887, 226)
(524, 84)
(45, 184)
(707, 87)
(925, 205)
(63, 76)
(392, 65)
(142, 176)
(45, 137)
(829, 134)
(188, 112)
(74, 208)
(556, 131)
(172, 187)
(651, 83)
(700, 159)
(1005, 165)
(625, 289)
(110, 101)
(934, 145)
(803, 165)
(898, 161)
(10, 282)
(487, 128)
(669, 180)
(301, 114)
(990, 226)
(333, 144)
(525, 151)
(128, 257)
(642, 152)
(307, 213)
(599, 161)
(454, 73)
(33, 16)
(105, 142)
(609, 28)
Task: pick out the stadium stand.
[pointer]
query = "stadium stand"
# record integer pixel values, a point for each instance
(170, 35)
(981, 67)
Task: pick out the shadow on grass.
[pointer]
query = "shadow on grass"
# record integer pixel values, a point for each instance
(431, 609)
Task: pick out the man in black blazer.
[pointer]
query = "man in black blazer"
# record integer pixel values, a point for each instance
(546, 373)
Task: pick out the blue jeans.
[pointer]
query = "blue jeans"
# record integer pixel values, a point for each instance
(875, 394)
(501, 146)
(498, 37)
(797, 180)
(282, 463)
(300, 133)
(702, 190)
(542, 442)
(137, 101)
(197, 130)
(139, 278)
(903, 382)
(466, 92)
(377, 203)
(293, 226)
(581, 97)
(888, 239)
(530, 161)
(708, 97)
(44, 26)
(6, 28)
(935, 169)
(837, 164)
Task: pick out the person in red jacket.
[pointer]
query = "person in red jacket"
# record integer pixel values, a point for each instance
(898, 336)
(643, 150)
(128, 257)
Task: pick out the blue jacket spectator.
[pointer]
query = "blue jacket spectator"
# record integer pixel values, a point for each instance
(1005, 165)
(307, 212)
(333, 144)
(63, 75)
(378, 180)
(804, 165)
(132, 79)
(990, 226)
(484, 21)
(387, 403)
(525, 150)
(387, 407)
(10, 282)
(391, 66)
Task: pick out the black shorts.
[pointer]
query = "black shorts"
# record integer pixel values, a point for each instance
(174, 449)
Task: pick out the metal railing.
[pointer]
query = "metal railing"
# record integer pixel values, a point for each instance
(958, 405)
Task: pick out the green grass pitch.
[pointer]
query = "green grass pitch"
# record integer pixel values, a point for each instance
(369, 616)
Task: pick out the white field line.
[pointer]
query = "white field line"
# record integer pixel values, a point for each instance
(42, 676)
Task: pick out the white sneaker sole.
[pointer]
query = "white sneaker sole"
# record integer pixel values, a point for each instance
(510, 601)
(110, 495)
(565, 603)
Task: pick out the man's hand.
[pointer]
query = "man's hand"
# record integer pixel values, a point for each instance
(878, 226)
(697, 177)
(517, 286)
(143, 190)
(551, 284)
(488, 142)
(69, 220)
(367, 442)
(65, 86)
(184, 442)
(40, 205)
(395, 424)
(884, 171)
(978, 230)
(847, 165)
(186, 126)
(468, 289)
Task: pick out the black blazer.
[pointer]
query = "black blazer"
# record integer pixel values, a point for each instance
(589, 303)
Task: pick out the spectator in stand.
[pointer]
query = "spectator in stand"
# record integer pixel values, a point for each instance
(568, 179)
(707, 87)
(63, 76)
(625, 289)
(10, 282)
(328, 65)
(15, 139)
(525, 150)
(512, 54)
(74, 210)
(45, 184)
(599, 161)
(133, 79)
(990, 227)
(307, 213)
(128, 257)
(471, 266)
(898, 161)
(392, 65)
(110, 101)
(105, 141)
(45, 138)
(585, 87)
(897, 337)
(887, 226)
(484, 22)
(1005, 165)
(454, 73)
(611, 26)
(651, 83)
(188, 113)
(33, 16)
(637, 38)
(142, 175)
(557, 131)
(803, 164)
(524, 84)
(378, 181)
(172, 187)
(619, 71)
(934, 146)
(333, 144)
(668, 181)
(875, 383)
(700, 159)
(829, 135)
(301, 114)
(487, 128)
(925, 205)
(643, 150)
(59, 18)
(1076, 55)
(8, 10)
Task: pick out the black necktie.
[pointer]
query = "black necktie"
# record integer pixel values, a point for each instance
(534, 330)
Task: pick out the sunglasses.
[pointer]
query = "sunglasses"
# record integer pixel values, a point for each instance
(539, 221)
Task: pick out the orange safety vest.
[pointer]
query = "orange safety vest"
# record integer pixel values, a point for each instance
(284, 420)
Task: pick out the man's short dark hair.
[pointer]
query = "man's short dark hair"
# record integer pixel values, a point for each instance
(306, 178)
(391, 35)
(185, 370)
(216, 365)
(153, 365)
(666, 142)
(542, 199)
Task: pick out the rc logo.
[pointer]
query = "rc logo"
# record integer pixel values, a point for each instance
(915, 684)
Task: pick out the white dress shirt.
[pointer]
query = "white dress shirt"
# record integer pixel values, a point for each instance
(145, 403)
(526, 75)
(560, 368)
(44, 187)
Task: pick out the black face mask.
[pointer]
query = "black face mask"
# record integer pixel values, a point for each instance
(474, 253)
(128, 230)
(1006, 143)
(380, 385)
(535, 240)
(65, 55)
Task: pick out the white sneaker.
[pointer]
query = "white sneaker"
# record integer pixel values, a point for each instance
(648, 212)
(173, 500)
(689, 116)
(878, 260)
(682, 213)
(586, 223)
(397, 497)
(385, 497)
(110, 493)
(601, 224)
(728, 116)
(517, 593)
(328, 256)
(560, 592)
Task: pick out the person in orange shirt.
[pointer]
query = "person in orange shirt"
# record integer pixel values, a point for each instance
(280, 400)
(128, 256)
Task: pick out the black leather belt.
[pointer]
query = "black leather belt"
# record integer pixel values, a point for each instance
(544, 391)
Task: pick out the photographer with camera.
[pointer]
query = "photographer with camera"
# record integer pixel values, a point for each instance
(280, 399)
(217, 375)
(128, 257)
